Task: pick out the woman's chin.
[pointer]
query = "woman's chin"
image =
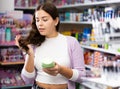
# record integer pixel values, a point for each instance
(43, 34)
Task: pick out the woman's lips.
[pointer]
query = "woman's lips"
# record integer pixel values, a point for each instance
(41, 30)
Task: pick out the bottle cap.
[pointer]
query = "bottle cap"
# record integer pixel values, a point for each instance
(48, 63)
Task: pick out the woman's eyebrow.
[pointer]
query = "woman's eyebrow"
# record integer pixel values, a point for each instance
(45, 17)
(42, 17)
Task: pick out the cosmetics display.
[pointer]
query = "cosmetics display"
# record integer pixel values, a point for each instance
(94, 23)
(10, 77)
(11, 57)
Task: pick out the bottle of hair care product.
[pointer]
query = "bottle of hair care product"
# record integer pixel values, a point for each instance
(8, 34)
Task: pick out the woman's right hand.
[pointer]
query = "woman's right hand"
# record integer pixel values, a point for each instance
(17, 40)
(29, 52)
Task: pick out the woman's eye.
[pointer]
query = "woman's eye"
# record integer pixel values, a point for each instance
(37, 20)
(45, 20)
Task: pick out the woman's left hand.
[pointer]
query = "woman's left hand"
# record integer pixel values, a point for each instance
(52, 71)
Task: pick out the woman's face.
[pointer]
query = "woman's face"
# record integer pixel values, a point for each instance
(45, 23)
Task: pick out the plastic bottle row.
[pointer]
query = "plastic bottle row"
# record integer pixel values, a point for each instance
(11, 54)
(10, 77)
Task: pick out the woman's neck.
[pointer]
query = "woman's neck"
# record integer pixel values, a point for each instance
(53, 35)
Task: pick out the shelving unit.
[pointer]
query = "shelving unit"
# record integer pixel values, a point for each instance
(90, 4)
(94, 83)
(18, 87)
(101, 50)
(11, 57)
(74, 22)
(112, 84)
(104, 84)
(11, 64)
(10, 71)
(78, 5)
(25, 8)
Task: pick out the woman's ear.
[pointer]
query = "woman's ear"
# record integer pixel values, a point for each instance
(56, 21)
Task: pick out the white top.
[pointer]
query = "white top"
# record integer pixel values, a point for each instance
(53, 48)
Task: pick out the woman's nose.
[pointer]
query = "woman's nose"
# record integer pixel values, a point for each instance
(40, 22)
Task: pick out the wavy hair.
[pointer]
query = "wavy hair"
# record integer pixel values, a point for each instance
(34, 37)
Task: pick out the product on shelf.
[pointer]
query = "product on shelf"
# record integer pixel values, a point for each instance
(26, 3)
(10, 27)
(10, 77)
(11, 57)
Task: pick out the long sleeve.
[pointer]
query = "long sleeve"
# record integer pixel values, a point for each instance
(77, 61)
(26, 76)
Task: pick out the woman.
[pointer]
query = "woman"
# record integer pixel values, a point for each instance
(45, 42)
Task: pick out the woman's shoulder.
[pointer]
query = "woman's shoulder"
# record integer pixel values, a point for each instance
(71, 39)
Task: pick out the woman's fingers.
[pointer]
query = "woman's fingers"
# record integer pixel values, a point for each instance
(16, 40)
(53, 73)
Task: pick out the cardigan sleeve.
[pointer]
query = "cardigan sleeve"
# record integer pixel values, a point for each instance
(26, 76)
(77, 59)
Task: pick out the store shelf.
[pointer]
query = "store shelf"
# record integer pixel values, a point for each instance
(11, 63)
(7, 44)
(102, 42)
(77, 5)
(101, 50)
(18, 87)
(88, 85)
(74, 22)
(108, 82)
(26, 8)
(100, 3)
(89, 66)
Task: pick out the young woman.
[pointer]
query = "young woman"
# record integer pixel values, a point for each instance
(45, 42)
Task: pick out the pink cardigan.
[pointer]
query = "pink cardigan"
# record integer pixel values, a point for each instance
(77, 62)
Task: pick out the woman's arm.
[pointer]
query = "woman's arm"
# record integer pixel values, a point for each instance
(77, 59)
(28, 71)
(29, 63)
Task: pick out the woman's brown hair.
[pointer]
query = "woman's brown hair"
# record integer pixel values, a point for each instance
(34, 37)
